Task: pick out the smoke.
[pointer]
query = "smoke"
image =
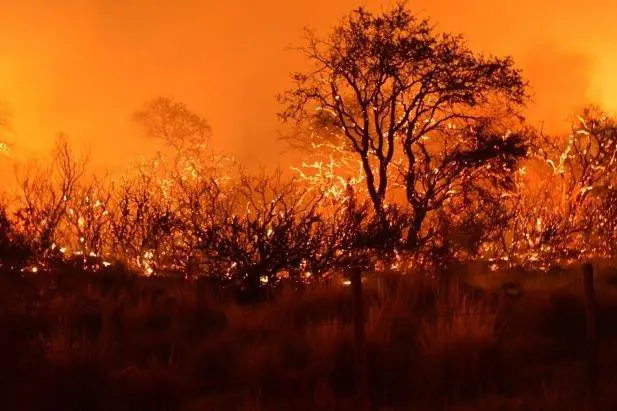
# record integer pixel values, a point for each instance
(560, 82)
(83, 67)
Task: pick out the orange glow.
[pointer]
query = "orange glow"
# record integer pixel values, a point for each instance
(84, 67)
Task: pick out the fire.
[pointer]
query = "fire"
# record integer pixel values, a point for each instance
(4, 149)
(334, 170)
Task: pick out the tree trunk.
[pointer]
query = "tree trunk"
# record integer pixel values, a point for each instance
(413, 234)
(590, 297)
(360, 341)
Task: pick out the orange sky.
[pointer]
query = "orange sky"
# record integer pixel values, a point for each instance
(83, 66)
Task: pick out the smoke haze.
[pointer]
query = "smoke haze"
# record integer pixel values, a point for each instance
(83, 67)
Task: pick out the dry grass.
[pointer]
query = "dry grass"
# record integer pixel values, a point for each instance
(431, 344)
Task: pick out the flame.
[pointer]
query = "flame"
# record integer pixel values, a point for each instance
(5, 150)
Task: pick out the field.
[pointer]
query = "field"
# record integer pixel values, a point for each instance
(508, 341)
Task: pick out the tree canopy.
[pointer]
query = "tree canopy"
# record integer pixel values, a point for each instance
(420, 110)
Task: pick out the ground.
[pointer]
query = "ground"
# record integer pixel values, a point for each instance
(508, 340)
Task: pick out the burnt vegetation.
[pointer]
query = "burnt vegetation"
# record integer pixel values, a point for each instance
(189, 282)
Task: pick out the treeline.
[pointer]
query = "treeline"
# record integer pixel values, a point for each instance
(191, 216)
(448, 171)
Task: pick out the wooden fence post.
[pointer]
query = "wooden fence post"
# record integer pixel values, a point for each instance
(592, 361)
(360, 341)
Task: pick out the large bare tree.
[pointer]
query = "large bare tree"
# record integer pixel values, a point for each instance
(418, 109)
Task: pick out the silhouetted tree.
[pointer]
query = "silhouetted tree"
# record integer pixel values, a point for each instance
(143, 220)
(14, 249)
(175, 124)
(44, 195)
(418, 109)
(263, 228)
(589, 176)
(566, 209)
(184, 176)
(87, 228)
(353, 236)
